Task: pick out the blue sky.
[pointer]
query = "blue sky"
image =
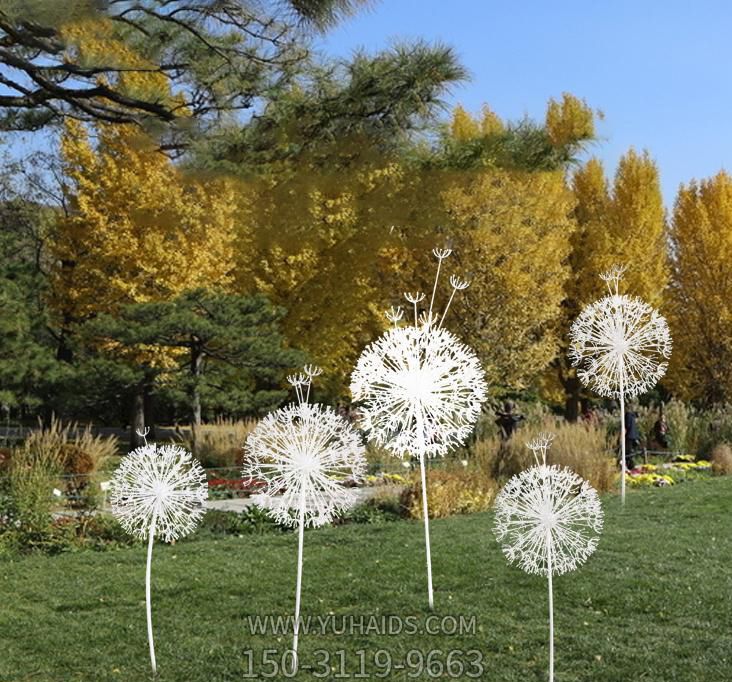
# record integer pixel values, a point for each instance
(660, 70)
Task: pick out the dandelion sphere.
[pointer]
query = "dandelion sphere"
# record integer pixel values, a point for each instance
(420, 390)
(302, 454)
(619, 344)
(548, 507)
(160, 482)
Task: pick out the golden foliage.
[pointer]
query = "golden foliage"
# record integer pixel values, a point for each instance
(569, 121)
(463, 126)
(637, 226)
(92, 41)
(510, 233)
(490, 123)
(450, 492)
(701, 290)
(625, 226)
(324, 243)
(138, 228)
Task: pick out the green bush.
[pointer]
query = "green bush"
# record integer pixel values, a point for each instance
(101, 532)
(382, 507)
(253, 520)
(28, 497)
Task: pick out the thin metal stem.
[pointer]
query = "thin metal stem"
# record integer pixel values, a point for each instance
(551, 608)
(447, 307)
(298, 588)
(425, 511)
(434, 287)
(622, 440)
(148, 601)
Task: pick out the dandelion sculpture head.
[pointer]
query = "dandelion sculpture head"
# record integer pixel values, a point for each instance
(160, 487)
(548, 519)
(619, 344)
(419, 387)
(302, 454)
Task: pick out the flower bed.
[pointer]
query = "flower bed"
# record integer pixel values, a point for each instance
(224, 488)
(385, 479)
(668, 473)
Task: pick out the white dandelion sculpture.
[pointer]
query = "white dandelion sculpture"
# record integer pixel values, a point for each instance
(620, 346)
(548, 522)
(158, 490)
(420, 389)
(302, 455)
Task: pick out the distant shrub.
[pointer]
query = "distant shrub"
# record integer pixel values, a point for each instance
(32, 476)
(101, 532)
(253, 520)
(582, 447)
(722, 459)
(381, 507)
(79, 453)
(450, 492)
(221, 443)
(682, 428)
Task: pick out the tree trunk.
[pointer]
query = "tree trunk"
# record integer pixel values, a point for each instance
(142, 411)
(572, 389)
(196, 372)
(137, 417)
(149, 405)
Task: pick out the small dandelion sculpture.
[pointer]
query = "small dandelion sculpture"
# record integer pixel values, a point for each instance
(158, 490)
(620, 346)
(420, 389)
(302, 455)
(548, 522)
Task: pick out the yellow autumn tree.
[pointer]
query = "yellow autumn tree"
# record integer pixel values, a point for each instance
(622, 225)
(463, 126)
(636, 224)
(324, 239)
(510, 234)
(490, 123)
(590, 249)
(700, 295)
(569, 120)
(138, 229)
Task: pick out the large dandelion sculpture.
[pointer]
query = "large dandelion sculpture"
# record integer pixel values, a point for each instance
(548, 522)
(420, 389)
(620, 346)
(302, 455)
(158, 490)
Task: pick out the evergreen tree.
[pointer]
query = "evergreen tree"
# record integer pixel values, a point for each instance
(225, 350)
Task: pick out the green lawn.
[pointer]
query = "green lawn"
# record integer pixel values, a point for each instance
(653, 604)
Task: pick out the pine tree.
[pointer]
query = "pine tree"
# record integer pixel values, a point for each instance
(221, 343)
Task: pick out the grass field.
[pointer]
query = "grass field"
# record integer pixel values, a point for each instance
(653, 604)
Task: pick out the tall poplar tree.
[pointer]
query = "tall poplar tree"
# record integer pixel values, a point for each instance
(700, 295)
